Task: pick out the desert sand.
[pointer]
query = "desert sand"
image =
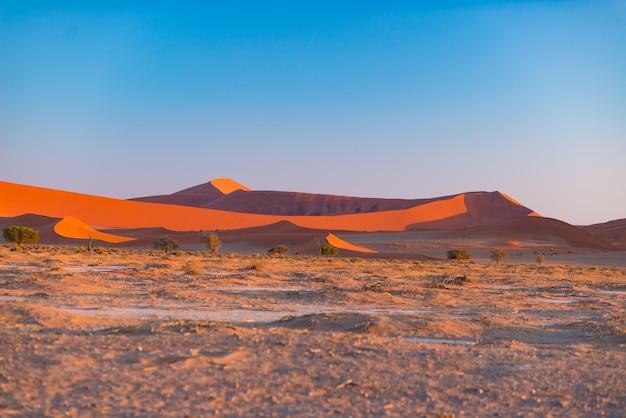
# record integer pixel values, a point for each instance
(139, 333)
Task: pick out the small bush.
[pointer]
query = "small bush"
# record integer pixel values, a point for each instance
(279, 250)
(540, 258)
(213, 243)
(192, 267)
(164, 243)
(459, 255)
(498, 255)
(257, 264)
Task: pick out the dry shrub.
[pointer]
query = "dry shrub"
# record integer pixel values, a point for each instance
(445, 280)
(192, 267)
(159, 292)
(257, 264)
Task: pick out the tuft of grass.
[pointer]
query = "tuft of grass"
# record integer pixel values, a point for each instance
(258, 263)
(192, 267)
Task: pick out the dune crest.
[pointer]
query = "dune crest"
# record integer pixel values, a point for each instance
(70, 227)
(335, 241)
(227, 186)
(510, 199)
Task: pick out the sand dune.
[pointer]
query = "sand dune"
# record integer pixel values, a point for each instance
(103, 213)
(491, 215)
(70, 227)
(335, 241)
(200, 196)
(533, 229)
(613, 232)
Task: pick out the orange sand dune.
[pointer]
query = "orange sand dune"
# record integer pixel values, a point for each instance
(70, 227)
(114, 213)
(335, 241)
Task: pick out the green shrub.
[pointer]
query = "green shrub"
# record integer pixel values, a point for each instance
(20, 235)
(328, 249)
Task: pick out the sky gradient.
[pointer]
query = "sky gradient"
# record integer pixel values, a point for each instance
(409, 100)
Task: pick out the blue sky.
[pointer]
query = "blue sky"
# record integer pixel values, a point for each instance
(407, 100)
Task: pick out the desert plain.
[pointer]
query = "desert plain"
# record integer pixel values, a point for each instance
(128, 332)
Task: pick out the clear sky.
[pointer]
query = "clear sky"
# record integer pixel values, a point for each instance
(363, 98)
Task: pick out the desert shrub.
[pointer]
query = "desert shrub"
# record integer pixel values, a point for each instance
(20, 235)
(192, 267)
(498, 255)
(459, 254)
(279, 250)
(328, 249)
(164, 243)
(213, 242)
(257, 264)
(540, 258)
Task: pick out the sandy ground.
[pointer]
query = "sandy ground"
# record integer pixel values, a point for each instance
(134, 333)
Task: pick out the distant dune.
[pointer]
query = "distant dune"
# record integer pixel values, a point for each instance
(300, 220)
(244, 200)
(613, 232)
(535, 229)
(102, 212)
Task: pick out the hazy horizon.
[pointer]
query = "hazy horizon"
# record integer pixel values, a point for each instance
(405, 100)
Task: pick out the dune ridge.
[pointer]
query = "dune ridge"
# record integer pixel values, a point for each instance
(227, 186)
